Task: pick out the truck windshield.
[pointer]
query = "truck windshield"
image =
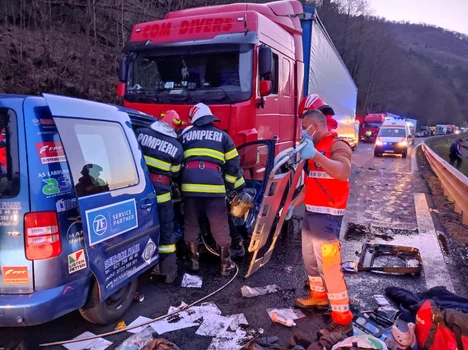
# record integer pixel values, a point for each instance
(374, 125)
(392, 132)
(186, 75)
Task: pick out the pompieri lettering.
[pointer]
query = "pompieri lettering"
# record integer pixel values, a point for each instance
(203, 135)
(155, 143)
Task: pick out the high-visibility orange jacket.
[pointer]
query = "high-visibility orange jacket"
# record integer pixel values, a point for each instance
(324, 194)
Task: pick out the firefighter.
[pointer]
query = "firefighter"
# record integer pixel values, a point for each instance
(164, 155)
(208, 153)
(325, 195)
(314, 101)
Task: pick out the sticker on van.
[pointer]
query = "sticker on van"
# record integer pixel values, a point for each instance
(15, 275)
(50, 152)
(76, 261)
(149, 250)
(56, 185)
(111, 220)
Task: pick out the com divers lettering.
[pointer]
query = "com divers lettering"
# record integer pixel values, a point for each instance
(203, 25)
(203, 135)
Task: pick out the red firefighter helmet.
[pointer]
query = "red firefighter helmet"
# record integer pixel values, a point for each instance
(172, 118)
(314, 101)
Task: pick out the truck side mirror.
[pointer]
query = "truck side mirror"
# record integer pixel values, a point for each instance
(123, 70)
(265, 87)
(265, 61)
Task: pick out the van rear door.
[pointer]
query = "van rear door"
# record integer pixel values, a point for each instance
(116, 199)
(16, 272)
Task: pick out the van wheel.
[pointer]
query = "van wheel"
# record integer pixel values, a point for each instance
(113, 308)
(377, 154)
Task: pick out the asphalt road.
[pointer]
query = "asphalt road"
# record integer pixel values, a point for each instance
(389, 196)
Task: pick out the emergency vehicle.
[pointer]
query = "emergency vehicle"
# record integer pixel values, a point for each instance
(394, 137)
(78, 212)
(251, 63)
(371, 126)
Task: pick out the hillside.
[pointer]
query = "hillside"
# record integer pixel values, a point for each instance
(72, 46)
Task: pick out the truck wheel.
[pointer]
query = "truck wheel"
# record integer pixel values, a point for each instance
(404, 154)
(113, 308)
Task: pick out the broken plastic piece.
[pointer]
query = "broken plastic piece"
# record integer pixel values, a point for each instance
(350, 266)
(121, 325)
(250, 292)
(190, 281)
(282, 320)
(137, 341)
(409, 255)
(293, 314)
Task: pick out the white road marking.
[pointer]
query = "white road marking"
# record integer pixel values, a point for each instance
(414, 163)
(435, 268)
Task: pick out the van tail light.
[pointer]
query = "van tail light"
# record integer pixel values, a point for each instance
(42, 235)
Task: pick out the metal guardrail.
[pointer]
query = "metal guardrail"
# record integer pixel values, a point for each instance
(454, 183)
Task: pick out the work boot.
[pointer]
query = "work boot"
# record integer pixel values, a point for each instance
(192, 258)
(238, 250)
(226, 263)
(334, 327)
(310, 301)
(170, 277)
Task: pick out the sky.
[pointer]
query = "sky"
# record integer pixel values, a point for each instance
(449, 14)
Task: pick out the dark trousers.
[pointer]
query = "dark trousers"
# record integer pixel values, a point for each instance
(457, 159)
(167, 238)
(216, 211)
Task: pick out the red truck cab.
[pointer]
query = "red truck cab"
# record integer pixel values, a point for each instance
(371, 127)
(243, 60)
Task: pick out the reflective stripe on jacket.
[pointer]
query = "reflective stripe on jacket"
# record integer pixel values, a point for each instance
(204, 142)
(324, 194)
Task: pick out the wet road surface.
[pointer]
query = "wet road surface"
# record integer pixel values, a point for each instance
(389, 203)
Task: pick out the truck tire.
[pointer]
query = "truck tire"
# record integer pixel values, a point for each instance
(113, 308)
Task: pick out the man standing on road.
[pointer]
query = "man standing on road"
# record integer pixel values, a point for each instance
(456, 153)
(325, 195)
(163, 155)
(209, 153)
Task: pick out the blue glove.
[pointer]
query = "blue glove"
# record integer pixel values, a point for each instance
(309, 151)
(289, 214)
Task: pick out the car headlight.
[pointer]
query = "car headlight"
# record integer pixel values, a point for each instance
(403, 143)
(378, 142)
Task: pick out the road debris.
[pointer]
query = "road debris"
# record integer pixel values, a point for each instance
(139, 320)
(350, 266)
(137, 341)
(93, 344)
(213, 325)
(120, 325)
(190, 281)
(282, 320)
(293, 314)
(237, 320)
(251, 292)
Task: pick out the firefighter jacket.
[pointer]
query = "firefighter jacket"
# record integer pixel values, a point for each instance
(324, 194)
(163, 155)
(211, 159)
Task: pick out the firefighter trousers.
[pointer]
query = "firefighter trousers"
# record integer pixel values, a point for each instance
(216, 211)
(167, 238)
(322, 260)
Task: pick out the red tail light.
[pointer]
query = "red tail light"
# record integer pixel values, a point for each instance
(42, 236)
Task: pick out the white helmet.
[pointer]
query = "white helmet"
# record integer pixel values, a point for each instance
(198, 111)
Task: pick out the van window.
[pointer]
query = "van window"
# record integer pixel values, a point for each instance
(9, 156)
(392, 132)
(103, 160)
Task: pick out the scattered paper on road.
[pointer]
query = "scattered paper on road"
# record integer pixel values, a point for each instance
(236, 321)
(250, 292)
(213, 325)
(234, 340)
(293, 314)
(190, 281)
(172, 323)
(93, 344)
(139, 320)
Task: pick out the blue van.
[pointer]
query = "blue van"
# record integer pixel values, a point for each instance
(78, 212)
